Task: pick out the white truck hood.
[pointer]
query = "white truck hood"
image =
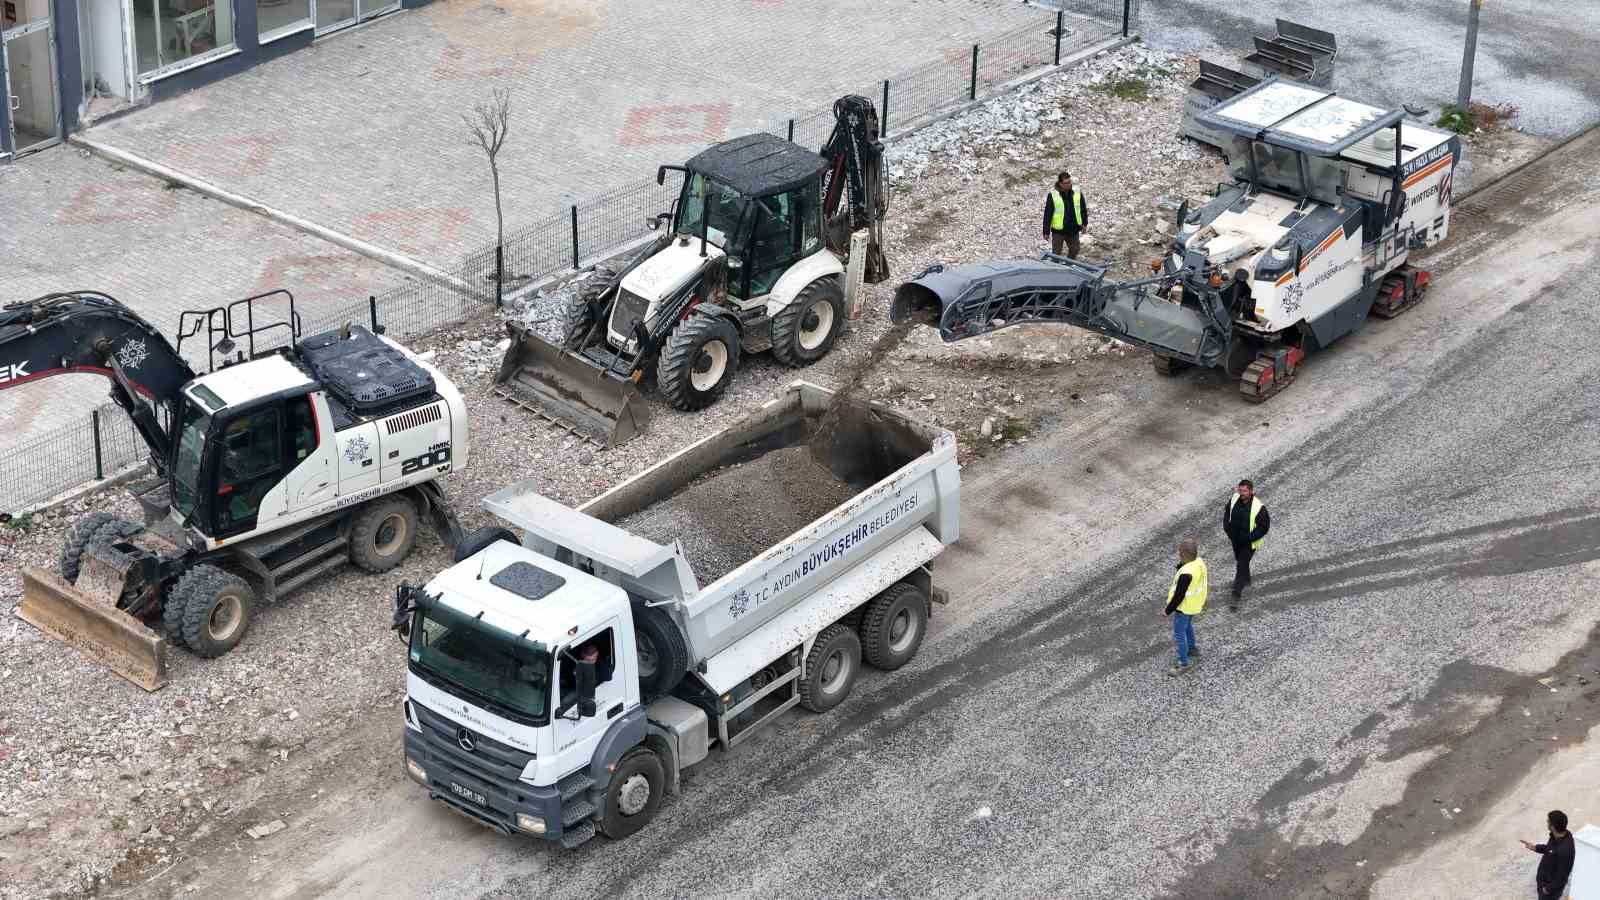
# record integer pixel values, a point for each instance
(669, 269)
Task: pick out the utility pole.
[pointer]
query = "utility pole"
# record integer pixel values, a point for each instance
(1464, 92)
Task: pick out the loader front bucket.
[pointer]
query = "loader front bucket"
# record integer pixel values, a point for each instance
(93, 626)
(570, 391)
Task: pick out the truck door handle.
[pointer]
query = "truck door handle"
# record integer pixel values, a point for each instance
(614, 711)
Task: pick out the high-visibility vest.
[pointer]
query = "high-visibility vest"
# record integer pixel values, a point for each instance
(1058, 219)
(1255, 509)
(1194, 599)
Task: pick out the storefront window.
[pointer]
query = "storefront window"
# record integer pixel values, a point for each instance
(171, 31)
(275, 17)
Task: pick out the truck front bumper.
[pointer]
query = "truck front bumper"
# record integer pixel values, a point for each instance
(454, 778)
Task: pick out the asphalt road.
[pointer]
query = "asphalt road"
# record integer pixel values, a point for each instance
(1534, 54)
(1436, 526)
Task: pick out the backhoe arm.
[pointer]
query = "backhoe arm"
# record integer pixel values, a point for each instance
(854, 152)
(90, 332)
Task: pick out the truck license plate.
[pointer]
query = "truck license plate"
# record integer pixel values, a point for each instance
(468, 793)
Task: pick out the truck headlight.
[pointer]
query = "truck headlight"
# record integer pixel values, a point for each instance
(530, 824)
(417, 772)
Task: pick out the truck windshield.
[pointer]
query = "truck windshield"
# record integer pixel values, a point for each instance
(186, 459)
(721, 206)
(490, 667)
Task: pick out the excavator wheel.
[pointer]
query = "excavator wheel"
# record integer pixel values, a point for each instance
(697, 364)
(216, 609)
(578, 316)
(78, 537)
(1270, 373)
(1168, 367)
(804, 331)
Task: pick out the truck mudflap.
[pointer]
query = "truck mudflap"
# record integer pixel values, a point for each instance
(86, 617)
(569, 390)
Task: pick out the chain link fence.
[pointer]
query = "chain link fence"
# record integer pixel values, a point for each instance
(105, 443)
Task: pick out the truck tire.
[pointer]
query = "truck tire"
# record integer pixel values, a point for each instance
(831, 669)
(483, 537)
(804, 331)
(634, 794)
(383, 533)
(78, 537)
(893, 627)
(581, 308)
(662, 651)
(698, 362)
(216, 609)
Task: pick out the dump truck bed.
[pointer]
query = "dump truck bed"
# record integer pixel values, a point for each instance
(743, 492)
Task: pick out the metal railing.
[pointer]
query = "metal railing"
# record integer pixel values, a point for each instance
(70, 455)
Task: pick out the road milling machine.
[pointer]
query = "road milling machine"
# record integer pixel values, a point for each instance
(1329, 199)
(764, 249)
(270, 470)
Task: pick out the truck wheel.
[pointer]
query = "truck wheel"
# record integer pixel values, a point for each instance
(216, 609)
(893, 628)
(698, 362)
(383, 533)
(804, 331)
(482, 538)
(663, 653)
(831, 669)
(78, 537)
(1167, 366)
(579, 313)
(634, 794)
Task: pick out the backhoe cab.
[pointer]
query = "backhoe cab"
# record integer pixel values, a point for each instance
(755, 258)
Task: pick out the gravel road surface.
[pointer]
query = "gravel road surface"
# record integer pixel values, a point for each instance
(1435, 533)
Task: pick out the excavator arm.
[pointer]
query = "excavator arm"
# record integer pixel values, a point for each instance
(90, 332)
(854, 152)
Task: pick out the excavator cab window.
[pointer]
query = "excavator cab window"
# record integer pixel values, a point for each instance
(720, 207)
(251, 464)
(788, 226)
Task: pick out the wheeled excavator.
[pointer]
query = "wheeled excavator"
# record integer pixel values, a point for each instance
(756, 255)
(1329, 199)
(270, 470)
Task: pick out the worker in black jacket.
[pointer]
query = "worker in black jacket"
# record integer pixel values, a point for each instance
(1245, 522)
(1066, 215)
(1555, 862)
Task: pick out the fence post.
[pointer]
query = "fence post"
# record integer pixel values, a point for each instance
(1127, 13)
(972, 86)
(574, 235)
(1470, 53)
(499, 275)
(99, 456)
(791, 131)
(1060, 24)
(372, 311)
(883, 119)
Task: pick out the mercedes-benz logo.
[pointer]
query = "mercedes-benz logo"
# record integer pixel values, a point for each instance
(464, 738)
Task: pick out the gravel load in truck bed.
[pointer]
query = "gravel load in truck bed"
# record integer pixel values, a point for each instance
(727, 516)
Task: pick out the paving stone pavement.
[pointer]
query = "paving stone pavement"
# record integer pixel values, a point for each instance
(72, 222)
(363, 131)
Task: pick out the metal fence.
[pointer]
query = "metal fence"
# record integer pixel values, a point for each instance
(106, 441)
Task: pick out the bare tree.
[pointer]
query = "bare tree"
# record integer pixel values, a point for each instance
(486, 128)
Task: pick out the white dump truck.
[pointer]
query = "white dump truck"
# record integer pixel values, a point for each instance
(562, 676)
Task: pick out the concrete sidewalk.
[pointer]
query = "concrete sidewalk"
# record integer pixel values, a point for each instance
(363, 131)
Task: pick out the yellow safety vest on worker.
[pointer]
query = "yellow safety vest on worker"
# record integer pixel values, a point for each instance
(1255, 509)
(1058, 219)
(1194, 599)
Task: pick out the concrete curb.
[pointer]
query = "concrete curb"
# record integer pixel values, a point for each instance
(355, 245)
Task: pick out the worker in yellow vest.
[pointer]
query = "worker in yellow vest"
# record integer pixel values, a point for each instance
(1066, 215)
(1185, 600)
(1245, 522)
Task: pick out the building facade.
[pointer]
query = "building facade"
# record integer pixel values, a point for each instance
(65, 62)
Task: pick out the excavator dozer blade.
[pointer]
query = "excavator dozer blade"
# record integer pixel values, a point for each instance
(570, 391)
(93, 626)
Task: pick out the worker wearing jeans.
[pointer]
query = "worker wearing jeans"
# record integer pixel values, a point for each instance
(1185, 600)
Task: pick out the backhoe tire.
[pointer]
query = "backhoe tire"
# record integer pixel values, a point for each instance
(486, 536)
(894, 625)
(831, 668)
(579, 312)
(1168, 367)
(698, 362)
(172, 611)
(662, 651)
(634, 793)
(383, 533)
(78, 536)
(216, 609)
(805, 330)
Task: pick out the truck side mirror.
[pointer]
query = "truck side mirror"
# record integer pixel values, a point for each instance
(401, 623)
(586, 680)
(1296, 260)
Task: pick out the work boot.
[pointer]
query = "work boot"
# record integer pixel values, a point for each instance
(1177, 670)
(1194, 653)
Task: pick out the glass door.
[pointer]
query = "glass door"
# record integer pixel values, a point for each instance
(30, 83)
(372, 8)
(334, 14)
